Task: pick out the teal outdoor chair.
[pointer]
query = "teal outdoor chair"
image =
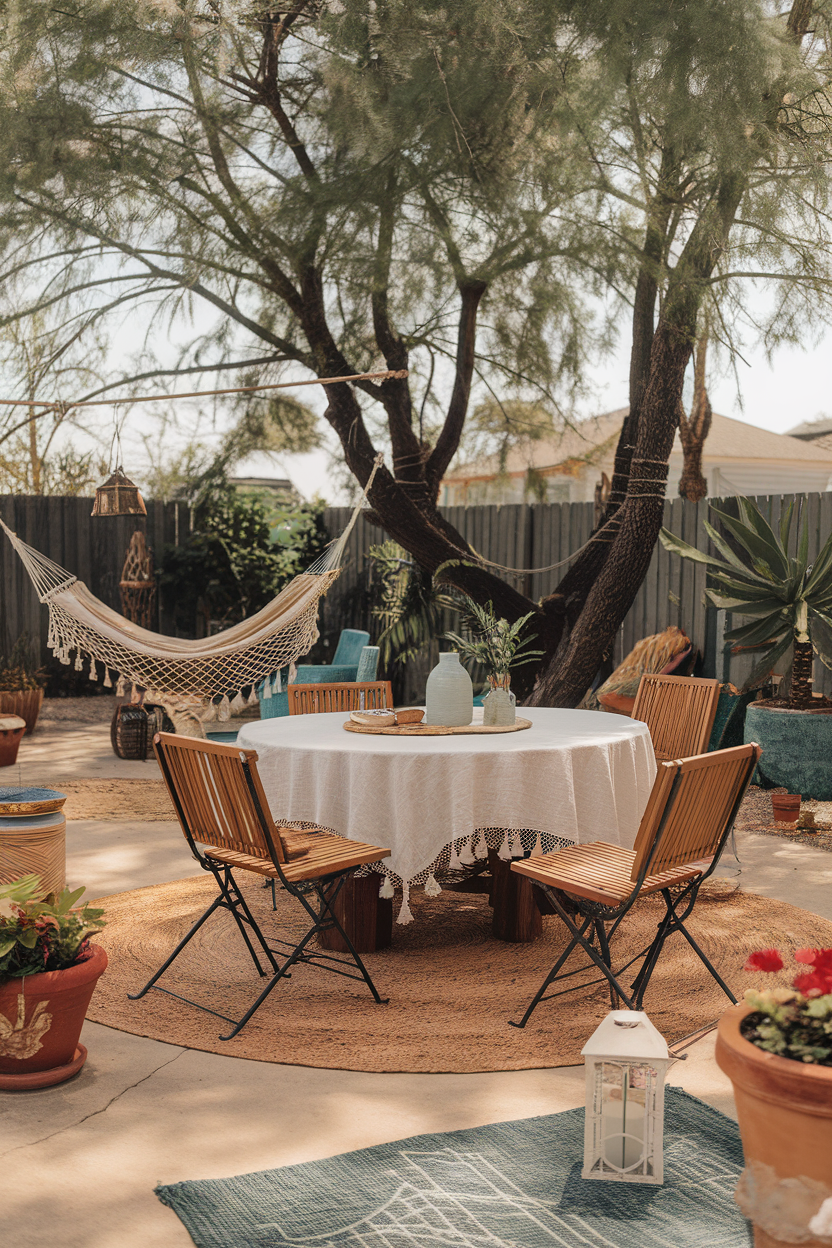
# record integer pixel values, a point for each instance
(353, 661)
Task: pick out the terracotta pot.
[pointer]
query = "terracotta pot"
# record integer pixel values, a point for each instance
(785, 1115)
(12, 729)
(786, 806)
(41, 1017)
(26, 704)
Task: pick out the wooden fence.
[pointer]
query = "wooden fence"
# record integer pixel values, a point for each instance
(541, 534)
(515, 536)
(93, 550)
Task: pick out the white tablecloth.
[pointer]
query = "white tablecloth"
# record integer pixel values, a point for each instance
(573, 776)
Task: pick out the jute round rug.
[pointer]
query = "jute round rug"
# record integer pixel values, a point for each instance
(452, 986)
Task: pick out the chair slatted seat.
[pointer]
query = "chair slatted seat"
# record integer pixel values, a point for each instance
(356, 695)
(224, 815)
(679, 711)
(684, 828)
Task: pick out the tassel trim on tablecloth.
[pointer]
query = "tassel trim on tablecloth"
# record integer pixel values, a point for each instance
(461, 854)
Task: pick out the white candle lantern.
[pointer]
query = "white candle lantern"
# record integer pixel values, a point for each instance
(626, 1063)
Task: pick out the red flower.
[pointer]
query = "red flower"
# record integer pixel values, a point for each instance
(806, 955)
(814, 983)
(764, 960)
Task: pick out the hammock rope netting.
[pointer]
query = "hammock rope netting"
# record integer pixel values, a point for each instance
(169, 669)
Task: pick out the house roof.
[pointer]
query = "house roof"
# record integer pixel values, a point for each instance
(589, 442)
(811, 429)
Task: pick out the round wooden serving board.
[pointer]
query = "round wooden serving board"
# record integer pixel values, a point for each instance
(435, 730)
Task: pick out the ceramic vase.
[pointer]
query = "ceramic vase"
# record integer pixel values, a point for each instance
(499, 708)
(449, 694)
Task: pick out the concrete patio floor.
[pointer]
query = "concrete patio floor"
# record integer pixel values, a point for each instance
(80, 1161)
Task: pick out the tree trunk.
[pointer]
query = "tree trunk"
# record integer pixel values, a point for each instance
(694, 429)
(801, 690)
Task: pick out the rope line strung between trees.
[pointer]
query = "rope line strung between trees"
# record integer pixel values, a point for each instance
(596, 536)
(62, 406)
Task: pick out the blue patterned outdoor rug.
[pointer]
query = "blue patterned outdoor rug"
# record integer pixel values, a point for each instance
(507, 1185)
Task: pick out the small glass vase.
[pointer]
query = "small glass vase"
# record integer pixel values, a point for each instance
(499, 707)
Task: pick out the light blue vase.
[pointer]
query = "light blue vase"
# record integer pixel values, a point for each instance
(449, 694)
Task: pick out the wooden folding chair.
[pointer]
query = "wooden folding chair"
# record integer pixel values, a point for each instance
(347, 696)
(221, 806)
(680, 713)
(683, 831)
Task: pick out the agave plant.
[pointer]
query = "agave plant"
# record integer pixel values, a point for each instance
(791, 599)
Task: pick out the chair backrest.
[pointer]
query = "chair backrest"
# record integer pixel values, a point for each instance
(213, 801)
(368, 663)
(350, 644)
(679, 711)
(692, 807)
(353, 695)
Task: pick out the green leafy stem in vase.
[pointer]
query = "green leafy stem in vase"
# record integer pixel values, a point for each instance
(494, 643)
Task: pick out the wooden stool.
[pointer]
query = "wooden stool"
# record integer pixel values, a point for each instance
(366, 918)
(34, 844)
(517, 916)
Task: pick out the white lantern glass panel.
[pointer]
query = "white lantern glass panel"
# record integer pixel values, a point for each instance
(626, 1063)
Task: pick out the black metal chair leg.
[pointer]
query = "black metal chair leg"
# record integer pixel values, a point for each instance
(232, 900)
(282, 973)
(215, 905)
(679, 926)
(538, 996)
(604, 949)
(596, 957)
(327, 906)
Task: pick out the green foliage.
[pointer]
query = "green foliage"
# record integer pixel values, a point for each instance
(406, 602)
(791, 600)
(48, 935)
(242, 551)
(19, 669)
(791, 1025)
(494, 643)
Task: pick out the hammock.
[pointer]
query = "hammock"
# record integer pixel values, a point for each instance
(209, 667)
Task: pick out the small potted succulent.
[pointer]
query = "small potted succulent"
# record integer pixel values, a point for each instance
(499, 647)
(21, 683)
(48, 972)
(776, 1048)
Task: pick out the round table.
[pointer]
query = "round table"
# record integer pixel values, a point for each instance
(574, 776)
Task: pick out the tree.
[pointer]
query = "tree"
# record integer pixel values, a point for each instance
(38, 358)
(276, 168)
(360, 184)
(695, 427)
(718, 137)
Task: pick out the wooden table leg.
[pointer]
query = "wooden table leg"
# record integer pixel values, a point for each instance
(517, 915)
(366, 918)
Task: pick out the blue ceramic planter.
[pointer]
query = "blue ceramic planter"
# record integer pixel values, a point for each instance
(797, 748)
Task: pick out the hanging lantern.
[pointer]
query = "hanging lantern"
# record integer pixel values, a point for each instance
(118, 496)
(626, 1064)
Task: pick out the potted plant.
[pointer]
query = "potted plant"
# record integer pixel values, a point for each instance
(21, 683)
(48, 972)
(776, 1049)
(499, 647)
(791, 602)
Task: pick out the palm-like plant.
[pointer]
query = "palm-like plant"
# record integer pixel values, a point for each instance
(494, 643)
(791, 599)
